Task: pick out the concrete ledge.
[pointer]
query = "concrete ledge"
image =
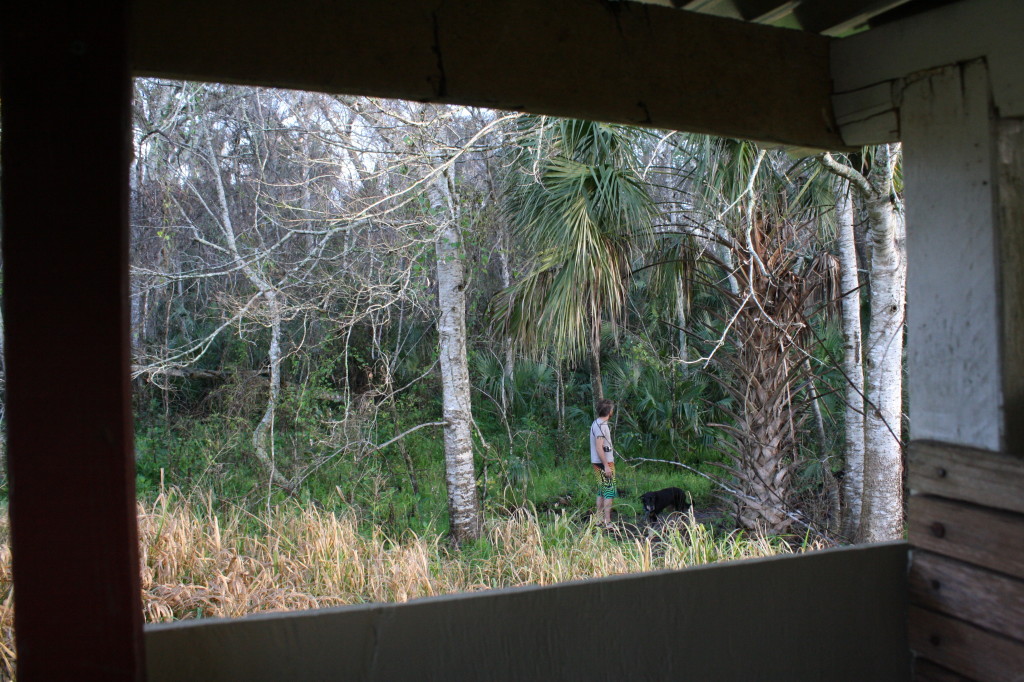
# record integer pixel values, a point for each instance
(832, 615)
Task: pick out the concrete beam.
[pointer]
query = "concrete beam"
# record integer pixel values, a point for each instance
(612, 61)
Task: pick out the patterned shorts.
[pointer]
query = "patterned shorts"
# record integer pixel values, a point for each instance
(605, 484)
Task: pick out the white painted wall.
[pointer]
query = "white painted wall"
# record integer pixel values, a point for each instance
(954, 324)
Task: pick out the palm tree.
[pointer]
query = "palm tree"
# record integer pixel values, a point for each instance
(753, 212)
(582, 209)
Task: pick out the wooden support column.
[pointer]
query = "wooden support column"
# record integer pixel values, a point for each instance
(66, 93)
(1009, 151)
(965, 255)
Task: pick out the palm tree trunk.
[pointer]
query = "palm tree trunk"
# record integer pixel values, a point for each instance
(853, 445)
(596, 386)
(560, 396)
(684, 355)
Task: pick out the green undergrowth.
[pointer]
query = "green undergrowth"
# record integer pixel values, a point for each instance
(545, 472)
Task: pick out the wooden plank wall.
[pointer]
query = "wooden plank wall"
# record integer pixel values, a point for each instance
(966, 518)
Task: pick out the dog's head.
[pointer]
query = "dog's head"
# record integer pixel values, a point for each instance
(649, 500)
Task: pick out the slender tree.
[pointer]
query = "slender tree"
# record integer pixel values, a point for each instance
(463, 502)
(853, 365)
(882, 511)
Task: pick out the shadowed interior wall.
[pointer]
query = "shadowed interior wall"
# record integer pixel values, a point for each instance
(66, 94)
(833, 615)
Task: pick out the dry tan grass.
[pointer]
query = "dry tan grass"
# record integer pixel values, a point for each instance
(196, 562)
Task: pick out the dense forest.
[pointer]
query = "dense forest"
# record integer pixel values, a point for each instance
(391, 321)
(323, 285)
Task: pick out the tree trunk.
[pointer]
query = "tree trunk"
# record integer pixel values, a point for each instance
(262, 437)
(463, 504)
(725, 255)
(882, 513)
(684, 355)
(508, 368)
(261, 434)
(596, 387)
(559, 396)
(853, 369)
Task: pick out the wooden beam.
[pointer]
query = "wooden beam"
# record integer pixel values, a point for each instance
(66, 93)
(986, 599)
(623, 62)
(767, 11)
(964, 648)
(977, 535)
(870, 69)
(966, 474)
(835, 17)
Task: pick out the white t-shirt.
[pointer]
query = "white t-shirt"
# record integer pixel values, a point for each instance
(600, 428)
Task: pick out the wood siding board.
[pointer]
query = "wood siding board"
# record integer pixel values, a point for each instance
(624, 62)
(987, 599)
(966, 474)
(978, 535)
(66, 92)
(964, 648)
(1010, 174)
(788, 608)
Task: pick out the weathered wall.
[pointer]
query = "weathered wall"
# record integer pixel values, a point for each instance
(833, 615)
(869, 69)
(953, 285)
(967, 573)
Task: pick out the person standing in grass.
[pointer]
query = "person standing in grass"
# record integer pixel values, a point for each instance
(602, 460)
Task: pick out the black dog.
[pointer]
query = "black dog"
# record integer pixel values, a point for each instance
(656, 501)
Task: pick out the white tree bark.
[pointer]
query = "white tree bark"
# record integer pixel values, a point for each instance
(261, 441)
(684, 355)
(853, 368)
(882, 513)
(882, 500)
(463, 503)
(508, 369)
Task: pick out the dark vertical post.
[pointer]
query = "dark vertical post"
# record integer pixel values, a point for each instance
(66, 95)
(1009, 147)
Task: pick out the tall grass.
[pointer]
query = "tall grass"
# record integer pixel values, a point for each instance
(199, 561)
